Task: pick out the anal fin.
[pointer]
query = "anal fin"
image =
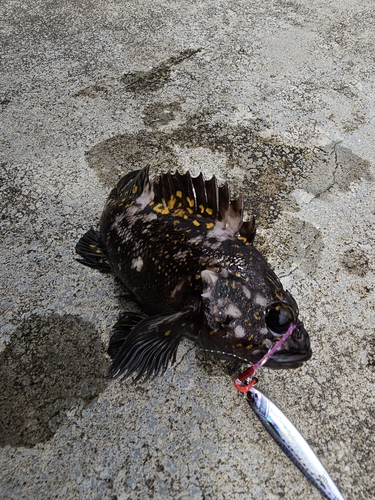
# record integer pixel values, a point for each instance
(90, 248)
(149, 346)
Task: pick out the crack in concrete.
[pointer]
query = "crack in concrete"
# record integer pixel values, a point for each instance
(178, 363)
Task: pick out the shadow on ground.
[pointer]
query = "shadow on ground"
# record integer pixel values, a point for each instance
(54, 364)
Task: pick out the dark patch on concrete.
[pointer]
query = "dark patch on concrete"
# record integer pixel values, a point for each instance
(271, 170)
(371, 355)
(4, 102)
(160, 113)
(350, 168)
(355, 262)
(91, 91)
(157, 77)
(54, 364)
(299, 245)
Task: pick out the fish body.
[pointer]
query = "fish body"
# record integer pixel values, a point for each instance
(181, 247)
(293, 444)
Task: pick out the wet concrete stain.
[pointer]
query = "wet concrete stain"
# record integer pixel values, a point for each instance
(158, 114)
(54, 364)
(301, 247)
(91, 91)
(271, 170)
(355, 262)
(157, 77)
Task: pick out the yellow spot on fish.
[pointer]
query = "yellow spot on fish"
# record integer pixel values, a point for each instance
(151, 203)
(98, 251)
(239, 345)
(196, 223)
(159, 208)
(168, 332)
(183, 324)
(242, 238)
(172, 201)
(209, 211)
(248, 347)
(179, 212)
(179, 194)
(209, 225)
(257, 316)
(201, 208)
(190, 210)
(190, 201)
(92, 246)
(135, 189)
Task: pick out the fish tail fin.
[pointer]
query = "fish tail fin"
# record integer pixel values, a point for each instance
(90, 248)
(146, 348)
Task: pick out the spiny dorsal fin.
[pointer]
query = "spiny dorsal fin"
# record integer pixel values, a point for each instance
(194, 194)
(248, 229)
(136, 179)
(204, 198)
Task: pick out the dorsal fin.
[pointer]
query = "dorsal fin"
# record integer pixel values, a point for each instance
(135, 178)
(193, 194)
(248, 229)
(204, 198)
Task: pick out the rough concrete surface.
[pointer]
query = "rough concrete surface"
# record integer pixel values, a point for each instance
(277, 97)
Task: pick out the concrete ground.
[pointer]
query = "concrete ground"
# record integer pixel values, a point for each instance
(277, 97)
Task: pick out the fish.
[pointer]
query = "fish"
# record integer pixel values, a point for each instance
(292, 443)
(185, 254)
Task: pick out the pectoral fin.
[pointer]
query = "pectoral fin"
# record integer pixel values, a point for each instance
(148, 346)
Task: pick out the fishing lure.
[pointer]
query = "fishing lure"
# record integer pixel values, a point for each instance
(292, 443)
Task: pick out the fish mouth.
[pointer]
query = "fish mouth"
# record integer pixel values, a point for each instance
(284, 359)
(294, 351)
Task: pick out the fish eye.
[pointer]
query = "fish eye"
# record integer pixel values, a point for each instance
(278, 318)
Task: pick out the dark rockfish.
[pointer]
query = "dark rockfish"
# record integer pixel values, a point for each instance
(181, 247)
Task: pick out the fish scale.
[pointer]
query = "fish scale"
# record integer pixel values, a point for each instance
(181, 247)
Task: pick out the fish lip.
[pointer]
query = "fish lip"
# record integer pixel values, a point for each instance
(293, 352)
(285, 359)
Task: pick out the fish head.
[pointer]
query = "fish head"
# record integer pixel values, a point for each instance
(245, 321)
